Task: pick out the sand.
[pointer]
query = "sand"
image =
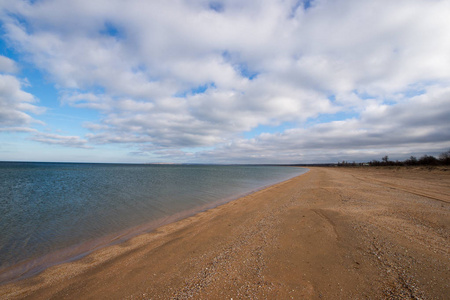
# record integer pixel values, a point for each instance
(332, 233)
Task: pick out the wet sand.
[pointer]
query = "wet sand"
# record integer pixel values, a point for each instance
(332, 233)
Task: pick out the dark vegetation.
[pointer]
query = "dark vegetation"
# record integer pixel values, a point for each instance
(426, 160)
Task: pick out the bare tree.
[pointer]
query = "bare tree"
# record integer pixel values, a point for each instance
(445, 157)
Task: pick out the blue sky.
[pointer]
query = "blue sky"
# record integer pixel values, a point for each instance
(223, 81)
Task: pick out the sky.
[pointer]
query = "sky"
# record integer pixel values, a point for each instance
(198, 81)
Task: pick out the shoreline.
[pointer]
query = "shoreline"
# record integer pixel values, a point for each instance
(331, 233)
(31, 267)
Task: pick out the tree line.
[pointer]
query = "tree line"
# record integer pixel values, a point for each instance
(425, 160)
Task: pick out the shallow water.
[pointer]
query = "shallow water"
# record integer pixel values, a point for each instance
(47, 207)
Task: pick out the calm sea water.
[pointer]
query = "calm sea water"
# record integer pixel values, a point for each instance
(49, 207)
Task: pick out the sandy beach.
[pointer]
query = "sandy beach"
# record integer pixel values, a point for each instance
(332, 233)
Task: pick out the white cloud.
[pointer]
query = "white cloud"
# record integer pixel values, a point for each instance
(7, 65)
(56, 139)
(16, 105)
(414, 126)
(142, 65)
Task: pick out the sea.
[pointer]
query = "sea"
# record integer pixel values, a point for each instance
(57, 212)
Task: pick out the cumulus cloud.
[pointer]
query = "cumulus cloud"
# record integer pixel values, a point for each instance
(17, 108)
(16, 105)
(7, 65)
(195, 73)
(411, 127)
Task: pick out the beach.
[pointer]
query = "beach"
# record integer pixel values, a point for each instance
(332, 233)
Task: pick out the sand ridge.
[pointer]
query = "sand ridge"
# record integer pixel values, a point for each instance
(330, 233)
